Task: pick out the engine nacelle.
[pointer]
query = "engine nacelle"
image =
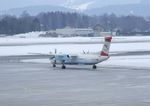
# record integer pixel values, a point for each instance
(62, 57)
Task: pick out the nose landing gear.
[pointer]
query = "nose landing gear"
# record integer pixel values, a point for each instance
(63, 65)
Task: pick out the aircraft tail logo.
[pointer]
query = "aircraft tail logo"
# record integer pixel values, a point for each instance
(106, 47)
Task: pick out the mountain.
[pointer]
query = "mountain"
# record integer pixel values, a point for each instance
(126, 9)
(34, 10)
(95, 7)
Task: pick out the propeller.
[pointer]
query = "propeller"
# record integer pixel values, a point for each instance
(55, 51)
(55, 56)
(85, 52)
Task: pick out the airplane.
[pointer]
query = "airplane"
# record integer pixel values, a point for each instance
(84, 58)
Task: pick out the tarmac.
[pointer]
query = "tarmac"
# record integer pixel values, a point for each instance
(39, 84)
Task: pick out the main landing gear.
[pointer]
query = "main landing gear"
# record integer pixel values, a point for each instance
(63, 67)
(54, 65)
(94, 66)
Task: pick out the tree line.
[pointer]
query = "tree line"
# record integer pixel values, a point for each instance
(10, 25)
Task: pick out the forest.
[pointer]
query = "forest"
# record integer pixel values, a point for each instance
(10, 25)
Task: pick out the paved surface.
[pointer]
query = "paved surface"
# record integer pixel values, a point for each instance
(34, 84)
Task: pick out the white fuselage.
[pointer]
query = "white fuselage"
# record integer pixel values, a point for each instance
(81, 59)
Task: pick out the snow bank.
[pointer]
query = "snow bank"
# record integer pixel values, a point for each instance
(71, 48)
(29, 34)
(94, 40)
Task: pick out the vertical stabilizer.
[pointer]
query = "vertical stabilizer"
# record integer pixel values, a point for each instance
(106, 47)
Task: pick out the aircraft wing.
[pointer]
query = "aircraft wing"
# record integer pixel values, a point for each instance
(42, 54)
(60, 56)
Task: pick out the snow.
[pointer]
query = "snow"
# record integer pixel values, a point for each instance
(71, 48)
(129, 47)
(37, 40)
(124, 44)
(129, 61)
(84, 6)
(29, 34)
(79, 6)
(20, 41)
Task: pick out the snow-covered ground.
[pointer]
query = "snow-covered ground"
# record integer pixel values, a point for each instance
(28, 41)
(29, 35)
(134, 45)
(71, 48)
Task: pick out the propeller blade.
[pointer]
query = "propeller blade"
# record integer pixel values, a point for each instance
(55, 51)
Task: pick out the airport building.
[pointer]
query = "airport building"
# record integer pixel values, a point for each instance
(72, 32)
(67, 31)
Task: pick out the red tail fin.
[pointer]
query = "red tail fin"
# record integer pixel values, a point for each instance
(105, 50)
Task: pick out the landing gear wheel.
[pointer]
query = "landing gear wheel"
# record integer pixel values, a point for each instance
(54, 65)
(63, 67)
(94, 66)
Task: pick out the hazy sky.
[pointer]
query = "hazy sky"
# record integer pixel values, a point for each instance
(6, 4)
